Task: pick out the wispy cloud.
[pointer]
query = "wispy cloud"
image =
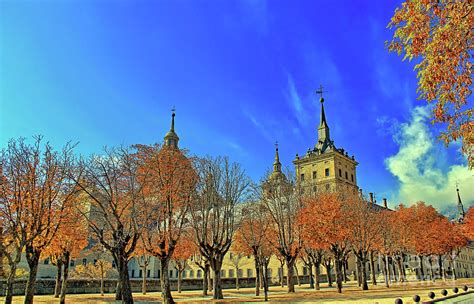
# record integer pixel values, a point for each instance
(259, 125)
(417, 166)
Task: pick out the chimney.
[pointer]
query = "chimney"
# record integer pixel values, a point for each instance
(385, 203)
(371, 198)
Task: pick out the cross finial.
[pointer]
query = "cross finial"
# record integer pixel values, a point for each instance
(173, 110)
(276, 144)
(457, 186)
(320, 92)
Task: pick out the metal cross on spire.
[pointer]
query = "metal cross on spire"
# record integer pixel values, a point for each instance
(276, 144)
(173, 109)
(320, 91)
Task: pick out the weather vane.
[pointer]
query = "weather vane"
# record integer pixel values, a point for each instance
(320, 91)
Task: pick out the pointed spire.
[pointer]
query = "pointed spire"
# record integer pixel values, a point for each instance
(276, 164)
(460, 206)
(171, 138)
(323, 130)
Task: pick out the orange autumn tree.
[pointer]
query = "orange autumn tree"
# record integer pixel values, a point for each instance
(35, 188)
(253, 238)
(169, 188)
(182, 253)
(69, 241)
(325, 224)
(439, 34)
(142, 258)
(364, 234)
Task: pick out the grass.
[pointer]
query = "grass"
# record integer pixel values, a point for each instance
(351, 294)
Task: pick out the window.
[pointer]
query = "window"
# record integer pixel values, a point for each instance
(140, 273)
(199, 273)
(327, 187)
(191, 274)
(315, 175)
(72, 263)
(269, 272)
(340, 173)
(184, 274)
(159, 273)
(231, 273)
(133, 273)
(326, 172)
(352, 177)
(222, 273)
(302, 177)
(113, 263)
(84, 262)
(305, 270)
(171, 273)
(249, 273)
(46, 261)
(240, 273)
(314, 188)
(148, 273)
(346, 175)
(231, 255)
(95, 261)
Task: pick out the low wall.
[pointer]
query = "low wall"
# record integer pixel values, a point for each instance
(75, 286)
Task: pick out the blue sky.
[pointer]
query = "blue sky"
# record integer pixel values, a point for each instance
(241, 74)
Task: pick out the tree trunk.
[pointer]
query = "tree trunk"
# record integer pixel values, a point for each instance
(386, 273)
(422, 271)
(102, 280)
(118, 290)
(32, 257)
(237, 279)
(431, 269)
(144, 278)
(290, 264)
(209, 277)
(165, 282)
(344, 270)
(10, 282)
(357, 264)
(57, 286)
(327, 265)
(363, 271)
(265, 279)
(317, 274)
(62, 299)
(216, 267)
(441, 268)
(337, 263)
(297, 275)
(372, 267)
(257, 275)
(311, 281)
(180, 277)
(205, 279)
(400, 270)
(280, 272)
(127, 297)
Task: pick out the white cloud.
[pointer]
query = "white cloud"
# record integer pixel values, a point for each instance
(417, 167)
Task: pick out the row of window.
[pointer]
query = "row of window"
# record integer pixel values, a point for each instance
(327, 173)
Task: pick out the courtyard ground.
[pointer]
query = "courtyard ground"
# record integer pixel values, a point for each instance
(351, 294)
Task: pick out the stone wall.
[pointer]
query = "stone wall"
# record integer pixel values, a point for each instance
(46, 286)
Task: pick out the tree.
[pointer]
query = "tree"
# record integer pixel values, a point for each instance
(252, 238)
(169, 189)
(143, 259)
(112, 184)
(203, 264)
(326, 213)
(222, 186)
(69, 241)
(35, 191)
(182, 253)
(281, 197)
(364, 233)
(439, 33)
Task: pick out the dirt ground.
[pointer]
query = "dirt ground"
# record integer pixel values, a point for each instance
(351, 294)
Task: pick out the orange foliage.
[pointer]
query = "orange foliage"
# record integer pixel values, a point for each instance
(439, 32)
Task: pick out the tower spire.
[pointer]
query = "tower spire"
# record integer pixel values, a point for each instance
(171, 138)
(460, 206)
(276, 164)
(323, 131)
